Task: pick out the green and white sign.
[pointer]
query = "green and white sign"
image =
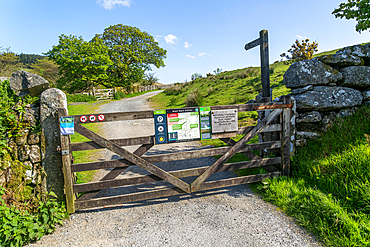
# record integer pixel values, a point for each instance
(67, 125)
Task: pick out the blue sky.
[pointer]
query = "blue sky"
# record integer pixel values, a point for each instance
(199, 36)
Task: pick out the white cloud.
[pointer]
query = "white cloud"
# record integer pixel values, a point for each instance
(171, 39)
(190, 56)
(301, 37)
(204, 54)
(110, 4)
(187, 45)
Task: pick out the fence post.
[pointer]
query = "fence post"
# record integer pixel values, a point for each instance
(66, 159)
(286, 135)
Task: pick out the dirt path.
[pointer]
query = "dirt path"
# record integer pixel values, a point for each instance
(232, 216)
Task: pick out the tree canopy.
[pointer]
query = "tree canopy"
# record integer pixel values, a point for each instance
(132, 52)
(118, 57)
(81, 64)
(358, 10)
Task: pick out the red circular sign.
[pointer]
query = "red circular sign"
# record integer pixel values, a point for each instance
(92, 118)
(101, 117)
(83, 119)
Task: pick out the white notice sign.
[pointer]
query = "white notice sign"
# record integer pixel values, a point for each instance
(224, 120)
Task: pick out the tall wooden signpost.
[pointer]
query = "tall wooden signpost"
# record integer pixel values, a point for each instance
(263, 42)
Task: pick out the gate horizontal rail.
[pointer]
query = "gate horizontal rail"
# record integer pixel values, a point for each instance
(275, 166)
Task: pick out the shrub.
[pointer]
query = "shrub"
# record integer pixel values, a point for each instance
(80, 98)
(211, 90)
(173, 91)
(119, 95)
(195, 98)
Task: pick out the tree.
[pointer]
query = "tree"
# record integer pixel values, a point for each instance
(132, 53)
(149, 79)
(217, 71)
(358, 10)
(301, 51)
(81, 64)
(7, 59)
(196, 76)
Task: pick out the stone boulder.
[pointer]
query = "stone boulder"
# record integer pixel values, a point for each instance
(324, 98)
(25, 83)
(340, 60)
(362, 51)
(310, 72)
(356, 76)
(309, 117)
(366, 95)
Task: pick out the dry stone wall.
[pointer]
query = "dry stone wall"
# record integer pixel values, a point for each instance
(34, 147)
(327, 87)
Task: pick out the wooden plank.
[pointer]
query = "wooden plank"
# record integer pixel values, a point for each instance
(265, 71)
(115, 200)
(285, 154)
(80, 146)
(132, 157)
(118, 170)
(236, 181)
(173, 156)
(153, 194)
(249, 154)
(259, 127)
(252, 44)
(66, 160)
(118, 116)
(93, 186)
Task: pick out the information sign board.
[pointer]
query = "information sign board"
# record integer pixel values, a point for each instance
(224, 120)
(183, 124)
(205, 122)
(67, 126)
(160, 126)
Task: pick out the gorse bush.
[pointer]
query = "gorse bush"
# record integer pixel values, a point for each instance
(194, 98)
(173, 90)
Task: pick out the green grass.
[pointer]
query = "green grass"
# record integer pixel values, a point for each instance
(329, 192)
(88, 155)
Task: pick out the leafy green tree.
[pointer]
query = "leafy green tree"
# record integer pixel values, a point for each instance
(7, 59)
(358, 10)
(81, 64)
(149, 79)
(301, 51)
(132, 53)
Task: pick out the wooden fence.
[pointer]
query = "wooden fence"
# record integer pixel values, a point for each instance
(275, 166)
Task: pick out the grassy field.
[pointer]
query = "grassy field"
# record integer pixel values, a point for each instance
(328, 192)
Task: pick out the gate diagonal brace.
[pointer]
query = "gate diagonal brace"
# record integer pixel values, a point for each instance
(213, 168)
(132, 158)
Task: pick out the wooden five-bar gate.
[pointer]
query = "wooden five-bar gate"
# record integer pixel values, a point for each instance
(275, 166)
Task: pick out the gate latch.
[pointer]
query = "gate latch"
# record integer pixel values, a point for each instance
(65, 152)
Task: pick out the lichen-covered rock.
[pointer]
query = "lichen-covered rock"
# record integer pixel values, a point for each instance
(310, 72)
(21, 138)
(306, 135)
(366, 95)
(362, 51)
(23, 153)
(346, 112)
(25, 83)
(324, 98)
(341, 60)
(300, 143)
(309, 117)
(34, 154)
(32, 113)
(33, 138)
(302, 90)
(356, 76)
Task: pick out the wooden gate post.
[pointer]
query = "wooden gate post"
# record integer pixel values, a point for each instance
(66, 159)
(286, 135)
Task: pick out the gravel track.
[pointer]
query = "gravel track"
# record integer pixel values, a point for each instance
(232, 216)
